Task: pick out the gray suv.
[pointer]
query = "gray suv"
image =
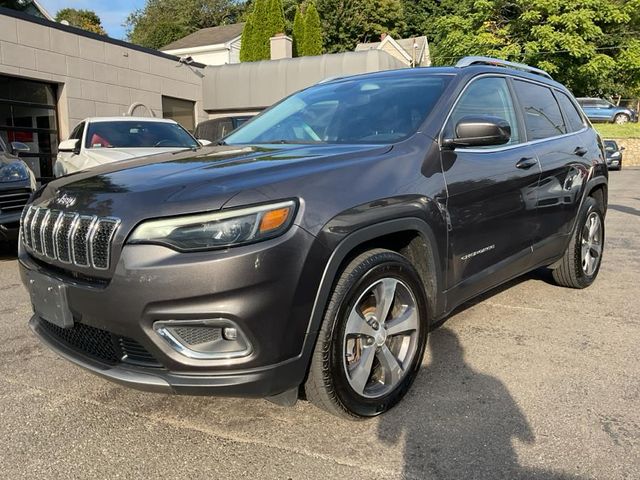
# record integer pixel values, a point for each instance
(315, 247)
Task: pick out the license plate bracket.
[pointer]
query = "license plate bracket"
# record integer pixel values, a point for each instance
(49, 300)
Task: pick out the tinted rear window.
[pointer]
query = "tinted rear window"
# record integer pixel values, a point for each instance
(541, 111)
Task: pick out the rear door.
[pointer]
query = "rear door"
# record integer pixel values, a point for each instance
(563, 146)
(491, 200)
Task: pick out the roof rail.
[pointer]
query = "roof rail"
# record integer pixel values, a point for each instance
(474, 60)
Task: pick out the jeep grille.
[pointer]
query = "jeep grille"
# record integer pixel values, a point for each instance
(81, 240)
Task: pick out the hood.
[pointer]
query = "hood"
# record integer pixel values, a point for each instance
(189, 182)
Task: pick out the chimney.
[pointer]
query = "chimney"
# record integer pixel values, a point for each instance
(383, 36)
(281, 47)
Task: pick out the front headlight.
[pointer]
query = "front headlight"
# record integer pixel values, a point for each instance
(14, 172)
(615, 155)
(217, 229)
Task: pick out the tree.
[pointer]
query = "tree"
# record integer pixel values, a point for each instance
(298, 33)
(345, 23)
(312, 44)
(591, 47)
(276, 17)
(84, 19)
(266, 19)
(247, 54)
(161, 22)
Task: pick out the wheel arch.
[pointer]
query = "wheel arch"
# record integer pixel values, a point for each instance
(410, 236)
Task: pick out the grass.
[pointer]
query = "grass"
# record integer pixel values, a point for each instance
(610, 130)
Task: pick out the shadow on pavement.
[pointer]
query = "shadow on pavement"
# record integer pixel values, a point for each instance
(457, 423)
(625, 209)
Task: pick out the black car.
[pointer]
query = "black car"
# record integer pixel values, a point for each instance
(317, 246)
(613, 154)
(214, 130)
(17, 182)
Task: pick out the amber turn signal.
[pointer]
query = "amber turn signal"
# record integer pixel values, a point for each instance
(274, 219)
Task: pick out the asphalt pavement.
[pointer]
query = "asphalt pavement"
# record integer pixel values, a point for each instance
(532, 381)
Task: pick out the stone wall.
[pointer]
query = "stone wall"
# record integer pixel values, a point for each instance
(631, 155)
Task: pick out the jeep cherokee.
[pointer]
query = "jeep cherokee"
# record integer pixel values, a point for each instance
(315, 246)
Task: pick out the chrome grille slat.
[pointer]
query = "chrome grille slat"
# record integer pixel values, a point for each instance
(101, 239)
(82, 240)
(36, 223)
(26, 226)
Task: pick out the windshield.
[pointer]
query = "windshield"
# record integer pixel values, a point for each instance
(610, 146)
(128, 134)
(359, 110)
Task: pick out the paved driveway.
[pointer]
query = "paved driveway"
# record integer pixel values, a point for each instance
(532, 382)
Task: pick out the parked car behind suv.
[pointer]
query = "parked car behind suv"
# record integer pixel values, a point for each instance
(319, 244)
(102, 140)
(217, 128)
(613, 154)
(17, 183)
(600, 110)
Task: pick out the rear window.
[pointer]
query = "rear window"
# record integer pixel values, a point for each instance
(541, 111)
(573, 118)
(132, 134)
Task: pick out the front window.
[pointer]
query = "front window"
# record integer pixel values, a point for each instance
(359, 110)
(143, 134)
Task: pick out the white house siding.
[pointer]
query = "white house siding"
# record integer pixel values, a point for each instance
(94, 77)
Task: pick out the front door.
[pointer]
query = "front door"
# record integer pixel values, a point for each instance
(492, 196)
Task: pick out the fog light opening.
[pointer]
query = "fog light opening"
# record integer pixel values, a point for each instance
(209, 339)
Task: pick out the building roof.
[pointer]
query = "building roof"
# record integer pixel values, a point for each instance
(405, 44)
(207, 36)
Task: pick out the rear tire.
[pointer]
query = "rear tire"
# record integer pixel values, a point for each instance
(581, 262)
(372, 338)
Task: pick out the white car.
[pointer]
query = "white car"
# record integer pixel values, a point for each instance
(96, 141)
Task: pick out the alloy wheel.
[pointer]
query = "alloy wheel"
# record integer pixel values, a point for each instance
(591, 243)
(381, 338)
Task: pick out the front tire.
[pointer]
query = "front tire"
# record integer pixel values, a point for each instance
(621, 118)
(581, 262)
(372, 338)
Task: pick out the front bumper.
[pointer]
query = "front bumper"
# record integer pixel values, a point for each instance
(267, 289)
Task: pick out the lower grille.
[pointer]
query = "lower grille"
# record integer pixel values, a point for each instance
(13, 201)
(101, 345)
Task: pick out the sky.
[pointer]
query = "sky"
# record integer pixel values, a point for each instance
(112, 12)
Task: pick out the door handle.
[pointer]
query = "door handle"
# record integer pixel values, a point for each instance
(526, 162)
(580, 151)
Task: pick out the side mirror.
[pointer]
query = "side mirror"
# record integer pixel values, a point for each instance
(204, 143)
(72, 146)
(19, 147)
(622, 149)
(479, 131)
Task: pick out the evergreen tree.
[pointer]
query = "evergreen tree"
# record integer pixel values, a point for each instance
(312, 32)
(298, 33)
(276, 18)
(261, 30)
(247, 45)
